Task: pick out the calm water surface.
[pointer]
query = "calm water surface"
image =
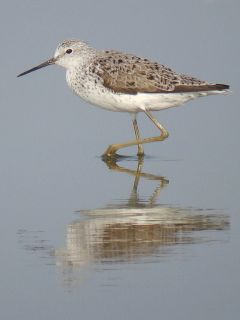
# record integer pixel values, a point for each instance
(125, 250)
(152, 239)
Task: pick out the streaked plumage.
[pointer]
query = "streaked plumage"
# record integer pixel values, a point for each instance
(124, 82)
(126, 73)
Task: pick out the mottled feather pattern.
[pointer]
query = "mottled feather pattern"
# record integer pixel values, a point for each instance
(126, 73)
(123, 82)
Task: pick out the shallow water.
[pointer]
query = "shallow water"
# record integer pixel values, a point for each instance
(81, 238)
(125, 250)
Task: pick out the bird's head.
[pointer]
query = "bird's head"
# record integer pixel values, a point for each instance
(68, 54)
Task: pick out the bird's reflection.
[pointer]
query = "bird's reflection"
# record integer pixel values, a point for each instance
(136, 228)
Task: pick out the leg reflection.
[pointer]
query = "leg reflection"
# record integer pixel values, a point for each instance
(134, 200)
(135, 228)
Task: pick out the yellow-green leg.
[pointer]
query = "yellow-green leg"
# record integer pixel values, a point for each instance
(138, 138)
(113, 148)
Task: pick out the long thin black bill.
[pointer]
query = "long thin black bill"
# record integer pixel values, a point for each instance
(42, 65)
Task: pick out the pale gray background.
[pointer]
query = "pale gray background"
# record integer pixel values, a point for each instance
(50, 141)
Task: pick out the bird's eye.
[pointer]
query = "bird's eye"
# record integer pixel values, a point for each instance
(68, 51)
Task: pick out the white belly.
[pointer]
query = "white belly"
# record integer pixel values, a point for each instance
(141, 101)
(104, 98)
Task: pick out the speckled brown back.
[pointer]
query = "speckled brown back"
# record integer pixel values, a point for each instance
(126, 73)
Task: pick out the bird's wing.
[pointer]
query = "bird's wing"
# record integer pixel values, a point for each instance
(126, 73)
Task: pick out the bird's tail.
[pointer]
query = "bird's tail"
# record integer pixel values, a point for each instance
(219, 87)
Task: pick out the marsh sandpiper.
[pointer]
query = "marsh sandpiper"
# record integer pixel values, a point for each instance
(124, 82)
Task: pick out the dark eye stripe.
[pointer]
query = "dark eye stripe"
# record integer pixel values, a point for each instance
(69, 51)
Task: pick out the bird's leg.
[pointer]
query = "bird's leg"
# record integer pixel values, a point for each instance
(164, 133)
(138, 138)
(113, 148)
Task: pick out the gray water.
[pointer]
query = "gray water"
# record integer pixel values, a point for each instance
(81, 238)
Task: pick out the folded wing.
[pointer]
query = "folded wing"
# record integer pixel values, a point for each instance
(126, 73)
